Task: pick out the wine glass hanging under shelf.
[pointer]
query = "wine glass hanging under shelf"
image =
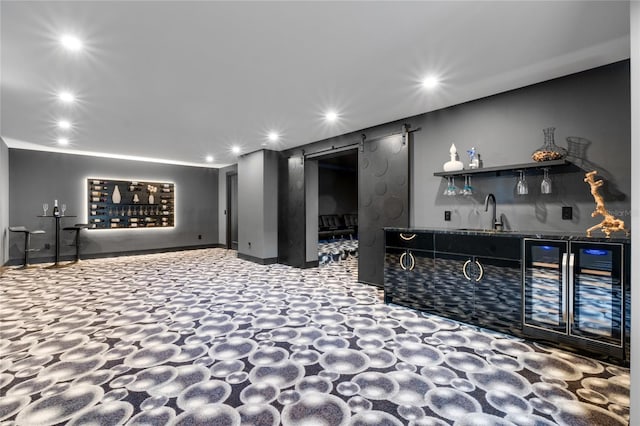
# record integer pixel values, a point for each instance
(114, 204)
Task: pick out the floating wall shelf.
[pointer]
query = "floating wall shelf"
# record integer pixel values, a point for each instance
(511, 168)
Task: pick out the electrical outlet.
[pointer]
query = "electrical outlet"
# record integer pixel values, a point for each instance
(47, 246)
(199, 236)
(447, 215)
(567, 213)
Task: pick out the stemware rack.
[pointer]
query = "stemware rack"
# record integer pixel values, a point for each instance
(113, 204)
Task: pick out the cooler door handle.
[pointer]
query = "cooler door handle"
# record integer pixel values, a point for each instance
(564, 288)
(571, 287)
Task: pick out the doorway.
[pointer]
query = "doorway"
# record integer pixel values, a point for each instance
(331, 187)
(232, 211)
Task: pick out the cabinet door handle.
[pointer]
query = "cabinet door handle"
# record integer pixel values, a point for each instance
(571, 287)
(481, 271)
(464, 269)
(413, 261)
(402, 257)
(564, 288)
(407, 237)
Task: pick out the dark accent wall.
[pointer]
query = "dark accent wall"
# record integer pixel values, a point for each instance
(383, 176)
(291, 205)
(38, 177)
(4, 202)
(592, 108)
(591, 114)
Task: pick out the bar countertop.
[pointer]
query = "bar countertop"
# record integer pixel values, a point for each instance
(618, 237)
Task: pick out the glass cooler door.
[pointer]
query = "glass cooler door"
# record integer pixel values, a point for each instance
(545, 285)
(595, 306)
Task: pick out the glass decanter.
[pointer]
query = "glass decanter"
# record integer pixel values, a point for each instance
(549, 150)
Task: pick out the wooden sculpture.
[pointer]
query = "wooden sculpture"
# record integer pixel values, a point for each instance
(610, 223)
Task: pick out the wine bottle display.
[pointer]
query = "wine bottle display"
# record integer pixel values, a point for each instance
(129, 204)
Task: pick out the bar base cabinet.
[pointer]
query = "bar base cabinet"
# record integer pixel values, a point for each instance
(408, 271)
(478, 280)
(574, 295)
(473, 279)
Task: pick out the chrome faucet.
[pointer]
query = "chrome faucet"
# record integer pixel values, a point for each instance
(495, 223)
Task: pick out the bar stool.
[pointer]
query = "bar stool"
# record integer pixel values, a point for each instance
(27, 241)
(77, 227)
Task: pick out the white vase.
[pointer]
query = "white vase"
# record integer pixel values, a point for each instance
(115, 197)
(453, 165)
(151, 200)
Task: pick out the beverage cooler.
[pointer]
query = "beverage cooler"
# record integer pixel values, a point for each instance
(574, 294)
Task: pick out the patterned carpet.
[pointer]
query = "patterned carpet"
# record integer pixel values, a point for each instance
(203, 338)
(336, 250)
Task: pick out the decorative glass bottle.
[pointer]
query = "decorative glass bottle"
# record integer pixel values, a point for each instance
(453, 164)
(549, 150)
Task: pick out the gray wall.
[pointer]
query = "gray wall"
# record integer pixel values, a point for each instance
(506, 129)
(222, 201)
(635, 238)
(4, 202)
(258, 205)
(338, 190)
(37, 177)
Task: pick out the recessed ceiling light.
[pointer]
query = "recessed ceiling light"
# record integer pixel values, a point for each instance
(63, 141)
(331, 116)
(273, 136)
(71, 43)
(64, 124)
(235, 149)
(430, 82)
(209, 158)
(66, 97)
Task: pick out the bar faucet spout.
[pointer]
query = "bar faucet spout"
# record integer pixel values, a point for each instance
(495, 223)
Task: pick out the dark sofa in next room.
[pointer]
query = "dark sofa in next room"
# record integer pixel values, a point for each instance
(331, 226)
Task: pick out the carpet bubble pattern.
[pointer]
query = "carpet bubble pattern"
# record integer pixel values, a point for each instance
(202, 337)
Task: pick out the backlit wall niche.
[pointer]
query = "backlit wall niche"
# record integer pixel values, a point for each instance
(117, 204)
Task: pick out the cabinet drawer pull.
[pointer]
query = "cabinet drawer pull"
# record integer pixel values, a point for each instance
(407, 237)
(413, 261)
(481, 271)
(402, 257)
(480, 268)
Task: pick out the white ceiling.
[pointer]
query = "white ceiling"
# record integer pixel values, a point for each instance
(176, 80)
